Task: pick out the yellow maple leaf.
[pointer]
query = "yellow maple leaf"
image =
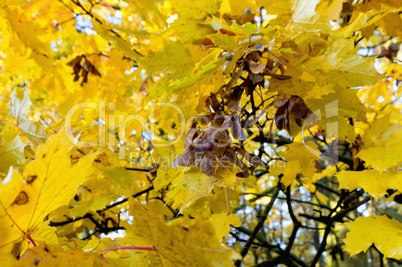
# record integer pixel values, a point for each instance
(174, 59)
(178, 243)
(305, 17)
(222, 223)
(149, 12)
(48, 183)
(11, 149)
(237, 7)
(372, 181)
(299, 159)
(27, 32)
(54, 255)
(365, 16)
(194, 185)
(382, 144)
(197, 10)
(331, 9)
(224, 41)
(385, 233)
(19, 103)
(121, 43)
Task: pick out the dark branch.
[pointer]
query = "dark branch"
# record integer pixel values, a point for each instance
(89, 215)
(259, 225)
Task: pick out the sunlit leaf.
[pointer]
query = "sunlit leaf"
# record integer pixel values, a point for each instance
(381, 231)
(48, 183)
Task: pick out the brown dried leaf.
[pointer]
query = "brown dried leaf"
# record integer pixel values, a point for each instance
(76, 72)
(94, 71)
(271, 66)
(216, 134)
(280, 102)
(211, 137)
(242, 174)
(227, 123)
(256, 78)
(205, 119)
(202, 143)
(254, 55)
(217, 151)
(255, 67)
(246, 17)
(237, 131)
(186, 159)
(233, 101)
(215, 104)
(207, 167)
(281, 118)
(191, 135)
(75, 61)
(235, 76)
(299, 110)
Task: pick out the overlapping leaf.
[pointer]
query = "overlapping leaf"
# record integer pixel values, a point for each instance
(19, 105)
(299, 159)
(48, 183)
(55, 255)
(177, 243)
(382, 144)
(11, 149)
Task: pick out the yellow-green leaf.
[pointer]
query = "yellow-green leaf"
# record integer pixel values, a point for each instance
(174, 59)
(197, 10)
(224, 41)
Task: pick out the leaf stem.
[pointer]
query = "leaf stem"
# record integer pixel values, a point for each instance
(10, 123)
(105, 259)
(31, 241)
(72, 240)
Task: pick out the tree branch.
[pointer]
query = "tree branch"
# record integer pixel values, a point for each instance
(89, 215)
(259, 225)
(296, 222)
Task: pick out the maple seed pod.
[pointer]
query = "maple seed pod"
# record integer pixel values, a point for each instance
(207, 167)
(292, 107)
(82, 70)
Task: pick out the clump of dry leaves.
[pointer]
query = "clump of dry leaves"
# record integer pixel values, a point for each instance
(212, 147)
(82, 69)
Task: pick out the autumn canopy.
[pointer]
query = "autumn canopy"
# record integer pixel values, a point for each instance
(200, 133)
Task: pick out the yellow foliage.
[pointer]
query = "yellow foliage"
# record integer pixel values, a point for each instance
(99, 98)
(47, 184)
(383, 232)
